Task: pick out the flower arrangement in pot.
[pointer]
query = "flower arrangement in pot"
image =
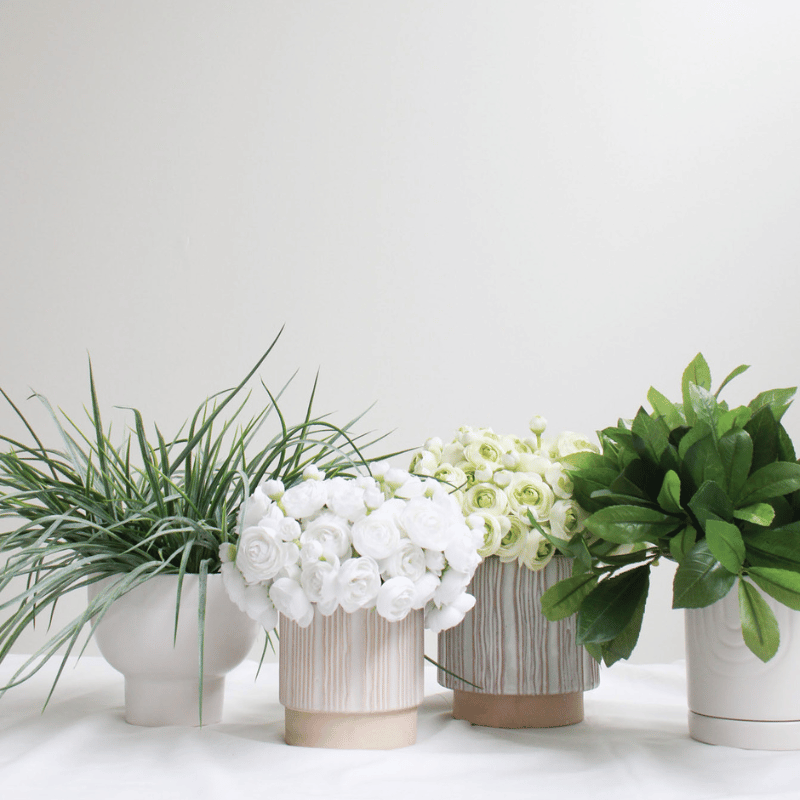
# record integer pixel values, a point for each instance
(139, 525)
(517, 493)
(716, 490)
(355, 567)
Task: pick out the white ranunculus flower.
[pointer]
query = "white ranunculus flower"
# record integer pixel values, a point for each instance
(462, 552)
(424, 590)
(485, 452)
(453, 476)
(253, 600)
(261, 554)
(409, 561)
(318, 578)
(559, 481)
(485, 497)
(427, 523)
(346, 498)
(435, 445)
(379, 468)
(376, 535)
(452, 584)
(448, 616)
(289, 529)
(413, 487)
(568, 443)
(291, 601)
(313, 473)
(396, 477)
(273, 489)
(396, 598)
(566, 519)
(483, 475)
(492, 534)
(435, 561)
(304, 499)
(357, 583)
(332, 532)
(529, 491)
(254, 508)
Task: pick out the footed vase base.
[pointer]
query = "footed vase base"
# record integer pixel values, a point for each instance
(376, 731)
(152, 702)
(518, 710)
(745, 734)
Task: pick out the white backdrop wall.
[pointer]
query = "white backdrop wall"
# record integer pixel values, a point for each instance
(471, 211)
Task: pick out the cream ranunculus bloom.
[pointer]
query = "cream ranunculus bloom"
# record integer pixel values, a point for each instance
(537, 552)
(485, 497)
(377, 535)
(486, 452)
(427, 523)
(346, 498)
(424, 462)
(290, 599)
(453, 476)
(568, 443)
(566, 519)
(318, 579)
(530, 492)
(513, 543)
(559, 480)
(408, 561)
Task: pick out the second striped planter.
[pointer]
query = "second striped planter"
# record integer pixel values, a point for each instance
(352, 680)
(530, 672)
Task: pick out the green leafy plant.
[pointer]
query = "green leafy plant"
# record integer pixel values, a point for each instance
(713, 488)
(143, 507)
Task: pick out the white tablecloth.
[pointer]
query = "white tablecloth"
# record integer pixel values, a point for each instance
(632, 744)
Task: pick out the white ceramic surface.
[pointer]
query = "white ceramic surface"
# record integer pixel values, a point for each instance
(736, 699)
(161, 677)
(506, 646)
(345, 666)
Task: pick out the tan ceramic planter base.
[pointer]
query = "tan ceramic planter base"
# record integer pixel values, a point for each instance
(375, 731)
(518, 710)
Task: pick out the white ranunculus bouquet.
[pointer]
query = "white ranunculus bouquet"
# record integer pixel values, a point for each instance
(499, 480)
(393, 542)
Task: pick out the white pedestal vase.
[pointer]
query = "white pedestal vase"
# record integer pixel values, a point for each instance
(530, 671)
(136, 636)
(735, 699)
(352, 680)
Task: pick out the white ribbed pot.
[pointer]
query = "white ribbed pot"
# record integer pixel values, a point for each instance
(352, 680)
(735, 699)
(530, 671)
(161, 677)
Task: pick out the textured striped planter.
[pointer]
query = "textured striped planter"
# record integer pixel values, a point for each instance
(352, 680)
(530, 671)
(735, 699)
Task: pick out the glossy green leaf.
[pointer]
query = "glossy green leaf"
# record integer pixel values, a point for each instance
(726, 544)
(564, 598)
(609, 607)
(705, 406)
(665, 409)
(704, 463)
(735, 419)
(775, 547)
(763, 431)
(621, 646)
(700, 579)
(735, 450)
(778, 400)
(682, 542)
(758, 514)
(709, 502)
(782, 584)
(692, 436)
(696, 373)
(627, 524)
(652, 433)
(733, 373)
(759, 626)
(772, 480)
(669, 498)
(785, 446)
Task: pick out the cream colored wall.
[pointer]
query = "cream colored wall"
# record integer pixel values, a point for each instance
(470, 211)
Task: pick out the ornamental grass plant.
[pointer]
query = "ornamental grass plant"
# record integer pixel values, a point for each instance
(714, 489)
(146, 506)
